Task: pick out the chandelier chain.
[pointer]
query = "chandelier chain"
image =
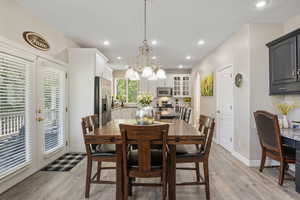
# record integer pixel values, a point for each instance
(145, 20)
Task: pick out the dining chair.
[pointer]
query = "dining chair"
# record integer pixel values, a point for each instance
(189, 154)
(188, 115)
(144, 162)
(271, 143)
(183, 113)
(96, 151)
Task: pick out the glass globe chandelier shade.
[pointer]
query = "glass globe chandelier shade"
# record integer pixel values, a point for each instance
(153, 77)
(161, 74)
(136, 76)
(147, 72)
(129, 73)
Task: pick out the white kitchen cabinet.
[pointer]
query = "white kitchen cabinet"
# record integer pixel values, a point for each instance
(181, 85)
(84, 65)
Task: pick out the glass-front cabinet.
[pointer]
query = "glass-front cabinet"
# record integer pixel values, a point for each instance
(181, 85)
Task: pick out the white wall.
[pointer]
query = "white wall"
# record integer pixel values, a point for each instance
(247, 52)
(14, 20)
(234, 51)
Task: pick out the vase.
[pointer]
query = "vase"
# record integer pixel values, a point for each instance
(144, 115)
(285, 122)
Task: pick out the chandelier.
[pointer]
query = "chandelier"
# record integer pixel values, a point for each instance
(144, 65)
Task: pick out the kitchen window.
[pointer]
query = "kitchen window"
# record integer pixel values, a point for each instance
(127, 89)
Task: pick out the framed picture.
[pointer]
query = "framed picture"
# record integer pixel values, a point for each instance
(207, 85)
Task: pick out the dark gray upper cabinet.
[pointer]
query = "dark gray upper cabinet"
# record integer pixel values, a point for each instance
(284, 64)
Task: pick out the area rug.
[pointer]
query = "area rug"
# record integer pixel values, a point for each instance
(65, 163)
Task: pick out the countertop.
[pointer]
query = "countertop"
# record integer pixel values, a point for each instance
(291, 133)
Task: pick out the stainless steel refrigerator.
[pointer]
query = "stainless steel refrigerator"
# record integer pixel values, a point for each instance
(102, 103)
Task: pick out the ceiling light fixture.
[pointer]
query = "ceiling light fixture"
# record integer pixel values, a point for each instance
(180, 66)
(261, 3)
(188, 57)
(106, 43)
(144, 63)
(201, 42)
(119, 58)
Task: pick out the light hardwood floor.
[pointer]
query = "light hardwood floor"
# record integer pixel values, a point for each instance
(229, 180)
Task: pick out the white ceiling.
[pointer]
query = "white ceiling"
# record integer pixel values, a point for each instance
(177, 25)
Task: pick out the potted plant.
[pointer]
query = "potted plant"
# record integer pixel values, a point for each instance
(144, 114)
(122, 99)
(284, 109)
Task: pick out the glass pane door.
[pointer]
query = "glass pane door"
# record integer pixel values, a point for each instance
(51, 112)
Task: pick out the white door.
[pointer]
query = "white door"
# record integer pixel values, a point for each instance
(197, 96)
(51, 110)
(225, 107)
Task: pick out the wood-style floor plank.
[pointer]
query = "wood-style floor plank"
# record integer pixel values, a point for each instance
(229, 180)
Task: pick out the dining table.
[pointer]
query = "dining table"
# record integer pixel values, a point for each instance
(180, 132)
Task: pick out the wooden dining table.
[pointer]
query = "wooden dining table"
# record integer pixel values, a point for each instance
(179, 133)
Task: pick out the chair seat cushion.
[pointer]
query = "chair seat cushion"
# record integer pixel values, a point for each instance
(156, 158)
(105, 150)
(185, 151)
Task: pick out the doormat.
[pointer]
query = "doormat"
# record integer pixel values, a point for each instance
(65, 163)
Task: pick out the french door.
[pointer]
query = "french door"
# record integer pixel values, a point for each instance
(51, 107)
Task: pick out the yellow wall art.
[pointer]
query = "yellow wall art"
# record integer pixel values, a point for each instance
(207, 85)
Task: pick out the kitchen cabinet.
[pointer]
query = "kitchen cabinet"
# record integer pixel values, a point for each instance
(285, 64)
(181, 85)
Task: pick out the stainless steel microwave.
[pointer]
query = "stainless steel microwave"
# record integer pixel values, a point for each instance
(164, 92)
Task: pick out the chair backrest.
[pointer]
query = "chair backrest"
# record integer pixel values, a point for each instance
(183, 113)
(89, 124)
(268, 131)
(144, 137)
(188, 115)
(206, 127)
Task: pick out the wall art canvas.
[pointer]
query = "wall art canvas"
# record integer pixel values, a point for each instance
(207, 85)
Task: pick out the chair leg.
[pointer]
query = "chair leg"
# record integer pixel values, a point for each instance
(164, 186)
(206, 177)
(263, 160)
(197, 172)
(88, 177)
(126, 187)
(99, 171)
(281, 172)
(130, 186)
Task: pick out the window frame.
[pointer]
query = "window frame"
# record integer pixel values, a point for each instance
(126, 92)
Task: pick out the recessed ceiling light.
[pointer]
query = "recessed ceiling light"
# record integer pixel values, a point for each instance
(119, 58)
(106, 43)
(180, 66)
(188, 57)
(154, 57)
(201, 42)
(154, 42)
(261, 3)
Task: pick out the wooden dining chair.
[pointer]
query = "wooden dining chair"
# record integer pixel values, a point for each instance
(183, 113)
(144, 162)
(190, 154)
(96, 151)
(188, 115)
(271, 143)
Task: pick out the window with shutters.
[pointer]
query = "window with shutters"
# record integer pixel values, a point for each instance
(53, 108)
(14, 132)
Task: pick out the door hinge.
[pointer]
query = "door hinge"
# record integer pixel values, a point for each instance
(66, 75)
(66, 109)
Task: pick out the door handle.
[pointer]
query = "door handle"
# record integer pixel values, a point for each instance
(39, 119)
(218, 111)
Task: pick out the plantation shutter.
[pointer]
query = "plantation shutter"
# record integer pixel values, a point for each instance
(53, 108)
(14, 130)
